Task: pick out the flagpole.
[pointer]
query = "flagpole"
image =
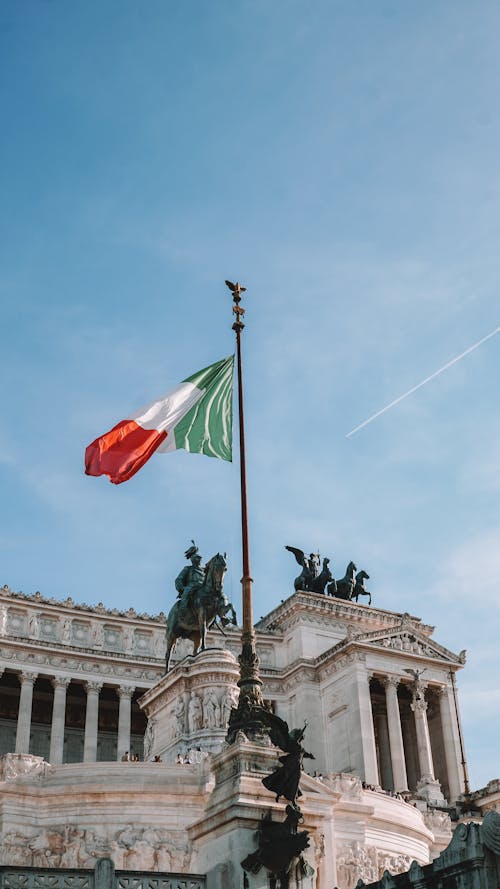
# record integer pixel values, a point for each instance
(250, 683)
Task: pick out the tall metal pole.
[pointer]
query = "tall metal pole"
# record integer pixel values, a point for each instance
(249, 683)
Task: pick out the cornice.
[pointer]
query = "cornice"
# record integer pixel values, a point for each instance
(70, 607)
(301, 603)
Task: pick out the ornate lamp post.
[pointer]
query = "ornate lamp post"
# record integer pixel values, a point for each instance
(249, 683)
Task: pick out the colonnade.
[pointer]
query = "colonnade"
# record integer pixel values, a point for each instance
(384, 753)
(60, 684)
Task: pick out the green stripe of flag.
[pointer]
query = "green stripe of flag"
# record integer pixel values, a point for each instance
(208, 427)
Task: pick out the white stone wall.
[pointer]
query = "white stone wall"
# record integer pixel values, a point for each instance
(322, 660)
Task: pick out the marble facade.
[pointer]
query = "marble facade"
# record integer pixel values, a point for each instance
(82, 685)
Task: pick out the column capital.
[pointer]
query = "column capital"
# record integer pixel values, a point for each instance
(60, 681)
(125, 691)
(441, 690)
(390, 681)
(27, 676)
(92, 686)
(419, 705)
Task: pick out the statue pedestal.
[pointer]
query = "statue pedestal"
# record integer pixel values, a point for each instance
(227, 833)
(188, 709)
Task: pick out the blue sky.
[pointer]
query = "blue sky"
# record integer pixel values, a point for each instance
(342, 160)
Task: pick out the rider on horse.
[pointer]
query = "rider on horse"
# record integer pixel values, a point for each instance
(191, 577)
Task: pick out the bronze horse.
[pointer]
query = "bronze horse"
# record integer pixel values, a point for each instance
(343, 589)
(359, 587)
(207, 604)
(319, 583)
(352, 586)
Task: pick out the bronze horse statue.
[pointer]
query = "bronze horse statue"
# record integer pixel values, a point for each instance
(352, 586)
(359, 587)
(207, 603)
(319, 583)
(344, 588)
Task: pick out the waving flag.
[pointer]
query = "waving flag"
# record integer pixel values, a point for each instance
(197, 415)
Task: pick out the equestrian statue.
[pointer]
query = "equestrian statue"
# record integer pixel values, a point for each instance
(349, 587)
(201, 602)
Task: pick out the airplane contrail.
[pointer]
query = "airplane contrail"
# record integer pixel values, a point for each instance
(427, 380)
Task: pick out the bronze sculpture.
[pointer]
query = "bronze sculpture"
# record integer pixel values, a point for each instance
(280, 844)
(284, 781)
(200, 602)
(309, 568)
(349, 587)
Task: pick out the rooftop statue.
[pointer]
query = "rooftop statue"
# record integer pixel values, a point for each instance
(312, 580)
(200, 601)
(309, 566)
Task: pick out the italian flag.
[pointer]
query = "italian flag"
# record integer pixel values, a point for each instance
(197, 415)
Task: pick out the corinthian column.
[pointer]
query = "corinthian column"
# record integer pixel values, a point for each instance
(398, 760)
(452, 752)
(125, 694)
(424, 751)
(24, 717)
(363, 752)
(428, 787)
(91, 721)
(60, 684)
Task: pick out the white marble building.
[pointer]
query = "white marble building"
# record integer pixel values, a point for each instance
(81, 685)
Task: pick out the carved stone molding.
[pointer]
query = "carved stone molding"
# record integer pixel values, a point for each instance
(389, 681)
(92, 687)
(19, 765)
(367, 863)
(65, 846)
(60, 681)
(27, 676)
(125, 691)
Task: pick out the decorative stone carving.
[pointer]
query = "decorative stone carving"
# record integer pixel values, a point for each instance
(228, 701)
(17, 622)
(195, 713)
(348, 785)
(367, 863)
(60, 681)
(66, 631)
(3, 619)
(128, 638)
(180, 715)
(27, 676)
(33, 625)
(68, 846)
(437, 821)
(48, 628)
(81, 633)
(149, 737)
(19, 765)
(211, 709)
(143, 643)
(97, 635)
(356, 862)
